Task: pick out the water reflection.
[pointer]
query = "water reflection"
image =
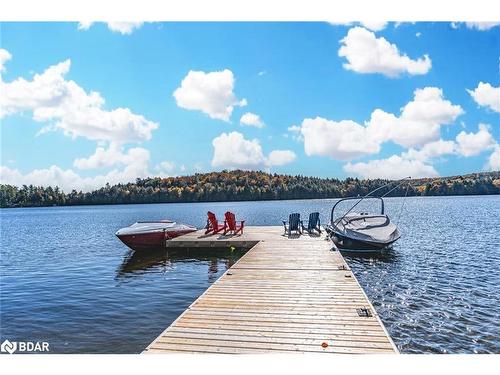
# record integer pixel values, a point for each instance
(163, 260)
(437, 291)
(388, 255)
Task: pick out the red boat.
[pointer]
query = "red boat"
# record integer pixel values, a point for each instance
(150, 235)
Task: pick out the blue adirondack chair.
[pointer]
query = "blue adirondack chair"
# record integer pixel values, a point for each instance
(313, 223)
(294, 224)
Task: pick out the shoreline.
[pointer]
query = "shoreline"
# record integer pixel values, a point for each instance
(237, 201)
(242, 186)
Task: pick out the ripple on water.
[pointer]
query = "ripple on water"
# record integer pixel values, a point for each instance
(441, 288)
(72, 283)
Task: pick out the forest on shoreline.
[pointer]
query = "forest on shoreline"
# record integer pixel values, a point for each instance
(241, 185)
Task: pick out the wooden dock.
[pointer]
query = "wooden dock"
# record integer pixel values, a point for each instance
(283, 295)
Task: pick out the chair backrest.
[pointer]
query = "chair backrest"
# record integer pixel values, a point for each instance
(212, 219)
(294, 221)
(313, 220)
(231, 220)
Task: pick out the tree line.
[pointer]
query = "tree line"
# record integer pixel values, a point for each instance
(241, 185)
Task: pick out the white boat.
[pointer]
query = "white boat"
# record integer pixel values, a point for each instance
(148, 235)
(363, 231)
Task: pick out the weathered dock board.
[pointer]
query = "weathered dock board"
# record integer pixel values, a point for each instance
(283, 295)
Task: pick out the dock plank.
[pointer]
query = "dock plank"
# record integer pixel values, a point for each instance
(283, 295)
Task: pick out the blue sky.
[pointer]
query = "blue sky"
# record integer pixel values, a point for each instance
(323, 100)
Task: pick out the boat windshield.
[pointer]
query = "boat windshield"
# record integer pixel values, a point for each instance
(346, 206)
(370, 196)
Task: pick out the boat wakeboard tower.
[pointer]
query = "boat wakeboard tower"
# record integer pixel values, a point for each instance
(364, 231)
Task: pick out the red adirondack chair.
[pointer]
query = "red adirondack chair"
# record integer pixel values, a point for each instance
(213, 225)
(232, 225)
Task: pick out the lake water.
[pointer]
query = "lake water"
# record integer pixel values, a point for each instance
(66, 279)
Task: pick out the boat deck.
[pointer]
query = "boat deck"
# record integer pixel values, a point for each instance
(284, 295)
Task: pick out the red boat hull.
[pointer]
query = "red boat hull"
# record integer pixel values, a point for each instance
(149, 241)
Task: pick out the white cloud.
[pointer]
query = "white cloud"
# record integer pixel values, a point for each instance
(124, 28)
(44, 90)
(166, 168)
(372, 25)
(113, 155)
(232, 150)
(340, 140)
(280, 157)
(418, 124)
(482, 26)
(415, 162)
(68, 107)
(63, 105)
(167, 165)
(366, 53)
(212, 93)
(375, 25)
(471, 144)
(430, 107)
(394, 167)
(494, 159)
(84, 25)
(53, 176)
(296, 132)
(431, 150)
(251, 119)
(4, 57)
(67, 179)
(261, 73)
(486, 96)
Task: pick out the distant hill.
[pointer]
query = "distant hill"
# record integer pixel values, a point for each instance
(241, 186)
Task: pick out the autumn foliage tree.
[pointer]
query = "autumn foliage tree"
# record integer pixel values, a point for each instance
(240, 185)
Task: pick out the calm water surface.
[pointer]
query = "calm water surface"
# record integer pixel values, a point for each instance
(66, 279)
